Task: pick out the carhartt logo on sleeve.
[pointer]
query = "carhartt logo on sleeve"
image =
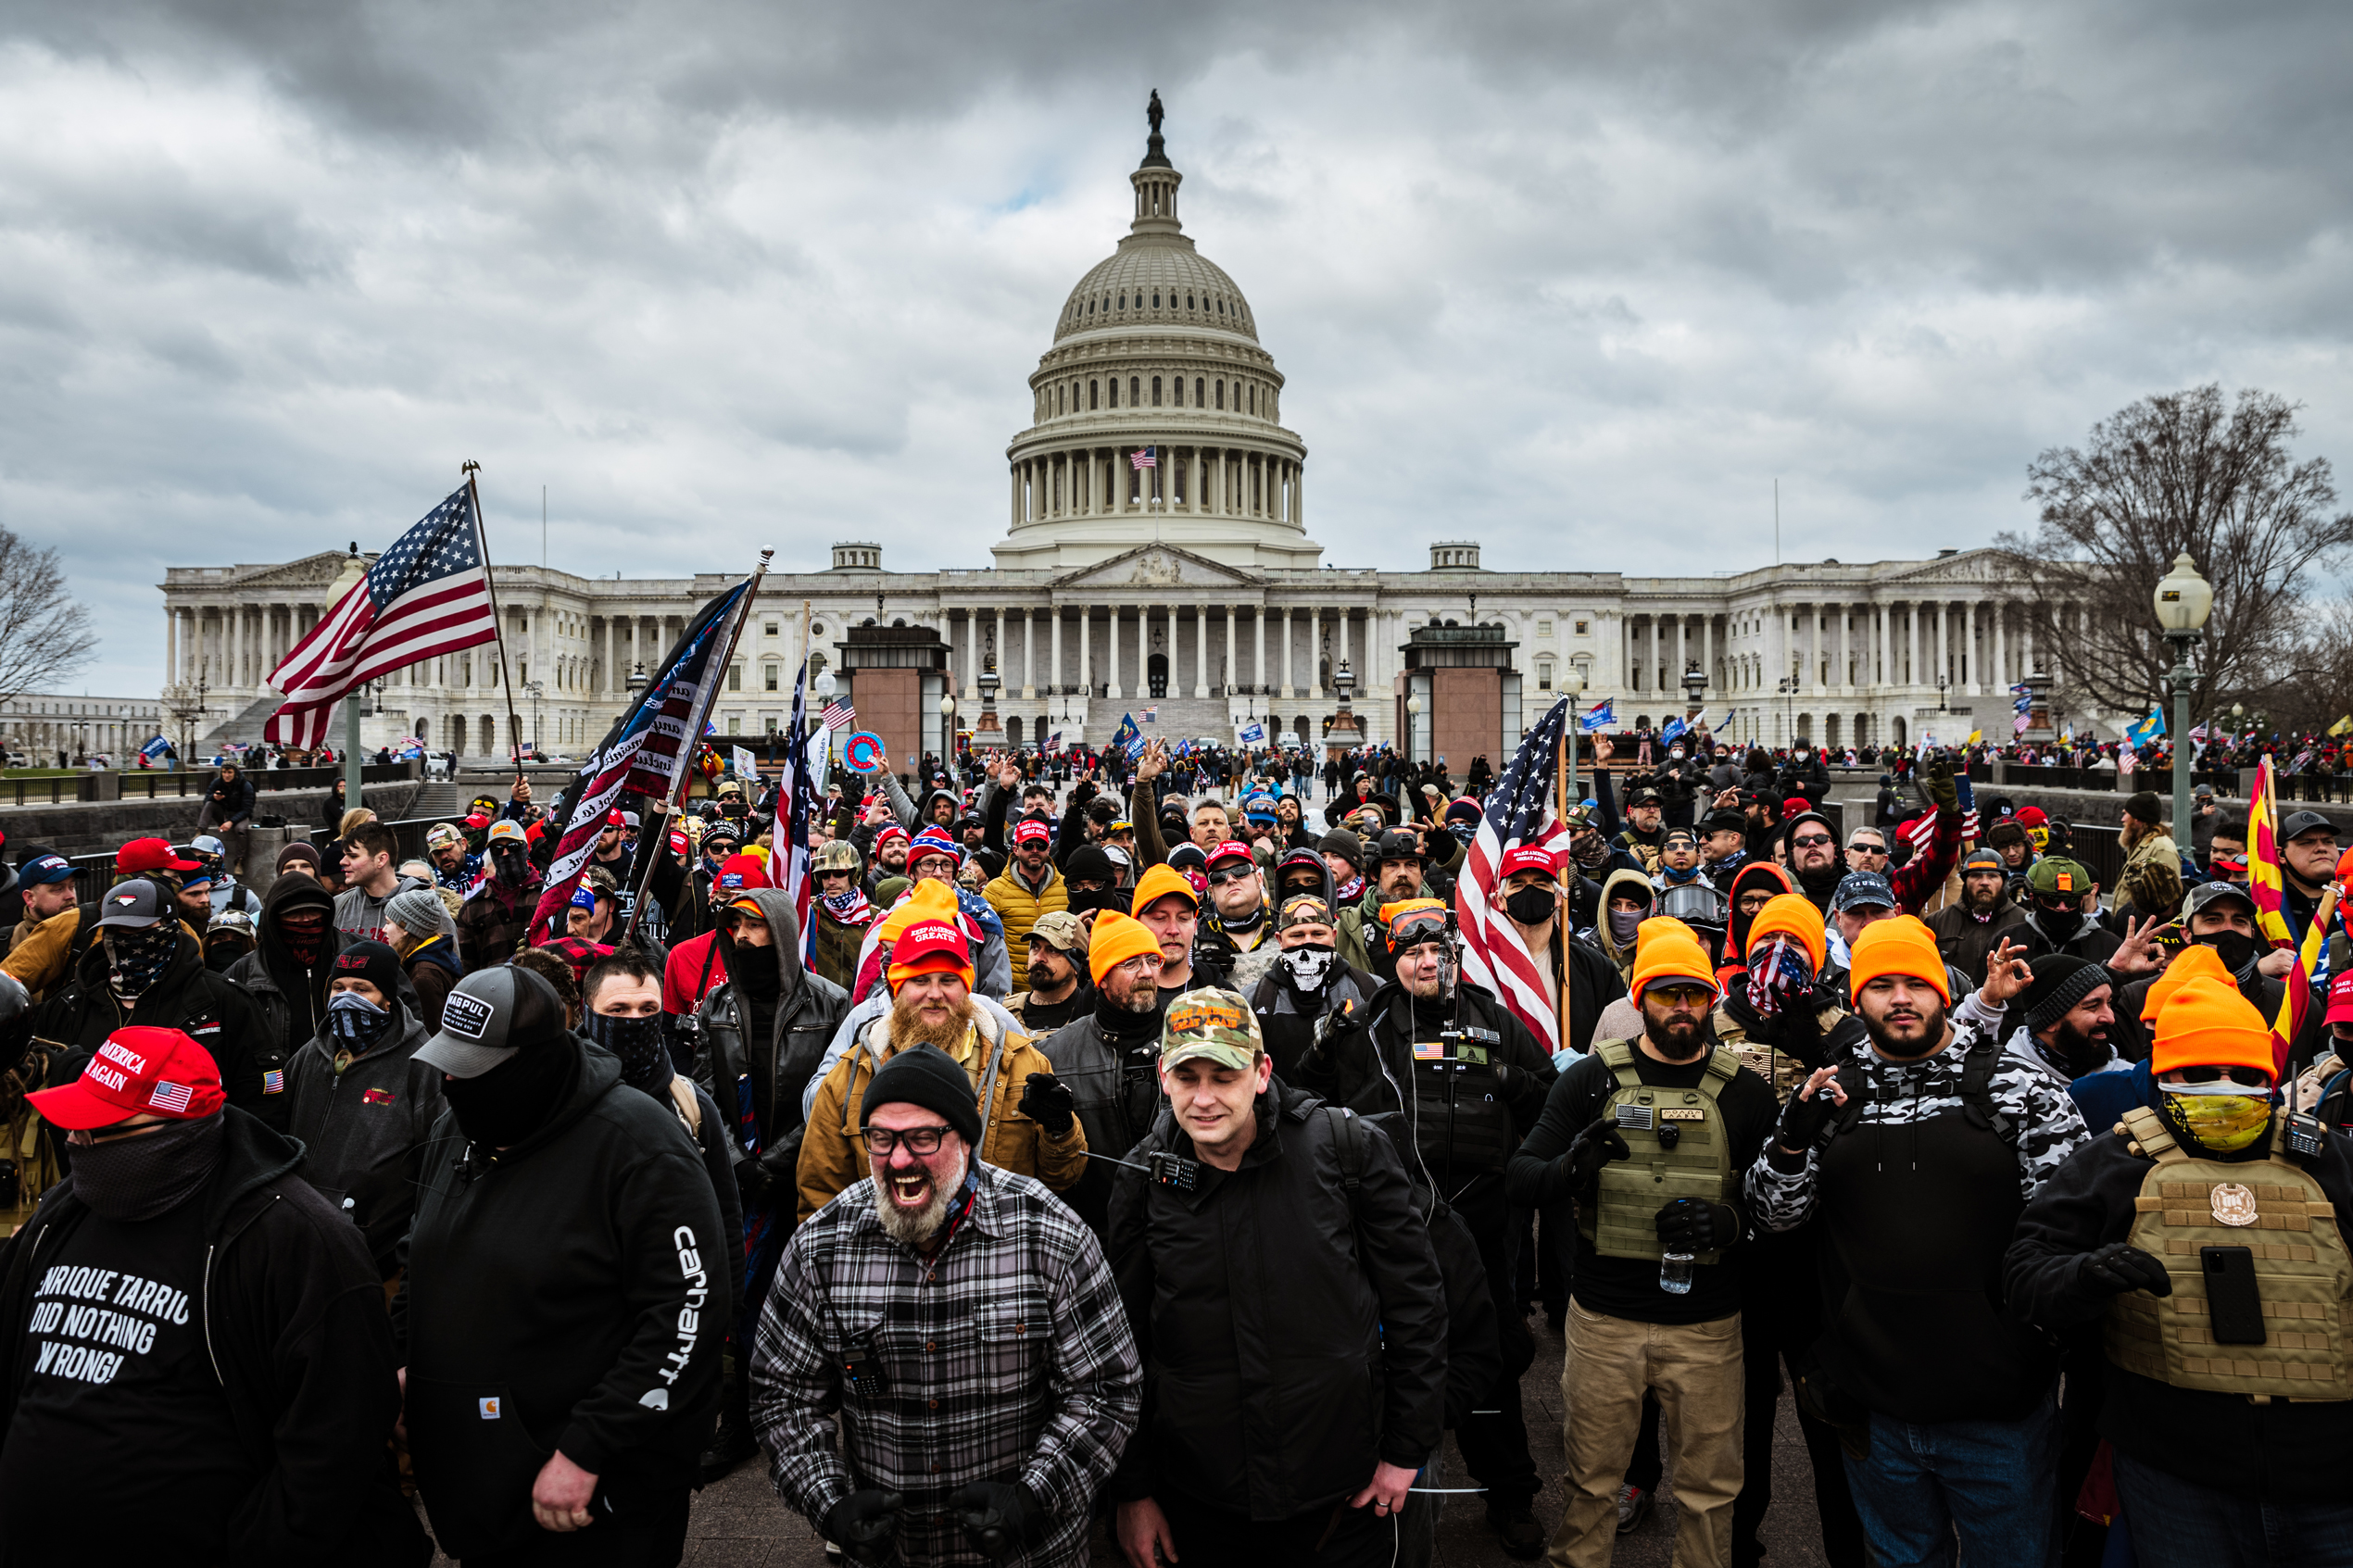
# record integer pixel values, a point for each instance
(489, 1408)
(466, 1017)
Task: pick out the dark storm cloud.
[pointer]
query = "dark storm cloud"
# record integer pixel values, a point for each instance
(1554, 276)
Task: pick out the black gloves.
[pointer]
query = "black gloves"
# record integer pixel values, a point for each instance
(1693, 1225)
(752, 1183)
(999, 1518)
(864, 1526)
(1803, 1120)
(1940, 786)
(2121, 1267)
(1592, 1148)
(1048, 1101)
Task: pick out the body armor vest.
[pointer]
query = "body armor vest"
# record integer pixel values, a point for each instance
(1785, 1073)
(2303, 1272)
(1692, 1160)
(1462, 1127)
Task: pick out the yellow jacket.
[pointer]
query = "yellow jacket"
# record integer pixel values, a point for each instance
(832, 1160)
(1019, 909)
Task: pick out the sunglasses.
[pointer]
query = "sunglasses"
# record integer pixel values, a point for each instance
(2244, 1077)
(1811, 841)
(1221, 879)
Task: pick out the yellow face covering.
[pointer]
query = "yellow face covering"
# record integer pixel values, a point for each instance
(2223, 1123)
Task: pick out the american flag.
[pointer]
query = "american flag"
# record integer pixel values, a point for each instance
(1517, 810)
(1144, 457)
(427, 596)
(170, 1097)
(838, 716)
(643, 749)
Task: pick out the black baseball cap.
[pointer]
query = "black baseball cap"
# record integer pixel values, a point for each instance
(489, 1016)
(137, 904)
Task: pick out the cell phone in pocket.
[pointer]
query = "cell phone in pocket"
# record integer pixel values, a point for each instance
(2233, 1303)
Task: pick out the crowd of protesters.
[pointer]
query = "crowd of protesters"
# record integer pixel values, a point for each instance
(1112, 1148)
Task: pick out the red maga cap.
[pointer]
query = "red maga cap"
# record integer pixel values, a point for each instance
(149, 855)
(1528, 858)
(1032, 833)
(1232, 849)
(142, 1069)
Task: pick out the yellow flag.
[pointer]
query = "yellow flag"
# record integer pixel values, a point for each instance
(1975, 736)
(2343, 726)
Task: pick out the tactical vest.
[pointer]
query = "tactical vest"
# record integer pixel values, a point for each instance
(1462, 1127)
(1622, 1221)
(2302, 1272)
(1786, 1074)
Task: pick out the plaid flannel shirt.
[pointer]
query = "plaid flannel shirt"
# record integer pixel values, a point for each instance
(1007, 1356)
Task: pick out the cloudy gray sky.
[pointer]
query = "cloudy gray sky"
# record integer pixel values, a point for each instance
(1577, 280)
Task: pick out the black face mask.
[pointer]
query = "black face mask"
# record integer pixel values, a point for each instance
(753, 968)
(2235, 948)
(1085, 898)
(2059, 925)
(514, 1099)
(1530, 906)
(641, 1043)
(147, 1173)
(357, 1023)
(137, 956)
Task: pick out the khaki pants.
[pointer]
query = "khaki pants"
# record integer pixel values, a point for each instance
(1696, 1370)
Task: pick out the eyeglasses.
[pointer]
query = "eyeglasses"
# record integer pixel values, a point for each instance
(1811, 841)
(1681, 995)
(1222, 879)
(915, 1140)
(2244, 1077)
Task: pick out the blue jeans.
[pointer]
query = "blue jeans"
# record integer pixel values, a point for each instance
(1994, 1482)
(2178, 1523)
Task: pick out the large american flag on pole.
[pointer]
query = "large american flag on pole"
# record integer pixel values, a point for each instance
(646, 747)
(427, 596)
(1518, 811)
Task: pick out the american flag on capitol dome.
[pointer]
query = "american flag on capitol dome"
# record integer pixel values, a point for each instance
(427, 596)
(1144, 457)
(1518, 811)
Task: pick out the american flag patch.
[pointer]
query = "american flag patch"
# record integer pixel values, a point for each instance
(170, 1097)
(273, 1082)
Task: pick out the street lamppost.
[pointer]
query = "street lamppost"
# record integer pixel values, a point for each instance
(538, 690)
(1412, 712)
(1694, 692)
(1788, 689)
(947, 731)
(2184, 599)
(1574, 685)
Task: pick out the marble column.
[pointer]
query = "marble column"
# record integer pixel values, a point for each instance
(1054, 652)
(1707, 647)
(1201, 650)
(2002, 681)
(1285, 623)
(1912, 668)
(971, 683)
(1028, 655)
(1972, 669)
(1086, 681)
(1344, 619)
(1115, 689)
(1941, 665)
(1258, 654)
(171, 647)
(1231, 672)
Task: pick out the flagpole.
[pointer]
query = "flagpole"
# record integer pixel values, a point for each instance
(499, 620)
(685, 778)
(1560, 923)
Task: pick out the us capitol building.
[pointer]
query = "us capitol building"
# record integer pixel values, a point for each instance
(1191, 586)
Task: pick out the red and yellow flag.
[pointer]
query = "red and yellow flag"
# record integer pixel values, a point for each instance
(2268, 886)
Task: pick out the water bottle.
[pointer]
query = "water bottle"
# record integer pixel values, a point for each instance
(1675, 1273)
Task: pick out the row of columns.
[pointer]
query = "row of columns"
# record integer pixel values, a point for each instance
(1196, 481)
(1985, 646)
(1300, 669)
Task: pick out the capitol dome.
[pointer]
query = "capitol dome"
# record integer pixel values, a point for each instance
(1156, 353)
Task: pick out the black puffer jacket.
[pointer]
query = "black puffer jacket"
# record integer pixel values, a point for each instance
(294, 1318)
(808, 1011)
(1276, 1390)
(364, 1131)
(1111, 1060)
(577, 1279)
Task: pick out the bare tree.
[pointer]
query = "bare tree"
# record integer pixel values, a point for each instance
(2172, 473)
(45, 635)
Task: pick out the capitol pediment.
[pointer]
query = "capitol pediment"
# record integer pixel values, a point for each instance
(1969, 565)
(1157, 566)
(310, 571)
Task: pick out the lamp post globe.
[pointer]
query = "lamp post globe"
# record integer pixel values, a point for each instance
(2182, 601)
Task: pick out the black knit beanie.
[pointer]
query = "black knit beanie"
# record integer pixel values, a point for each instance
(2061, 981)
(371, 961)
(927, 1076)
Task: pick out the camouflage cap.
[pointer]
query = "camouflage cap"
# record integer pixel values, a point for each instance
(1061, 930)
(1214, 1024)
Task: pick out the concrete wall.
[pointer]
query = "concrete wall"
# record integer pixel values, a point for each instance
(96, 829)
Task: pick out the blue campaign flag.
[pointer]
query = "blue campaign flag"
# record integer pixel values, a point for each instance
(1601, 716)
(1126, 738)
(1673, 732)
(154, 750)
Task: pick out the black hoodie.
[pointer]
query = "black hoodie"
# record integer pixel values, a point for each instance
(291, 995)
(567, 1293)
(291, 1314)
